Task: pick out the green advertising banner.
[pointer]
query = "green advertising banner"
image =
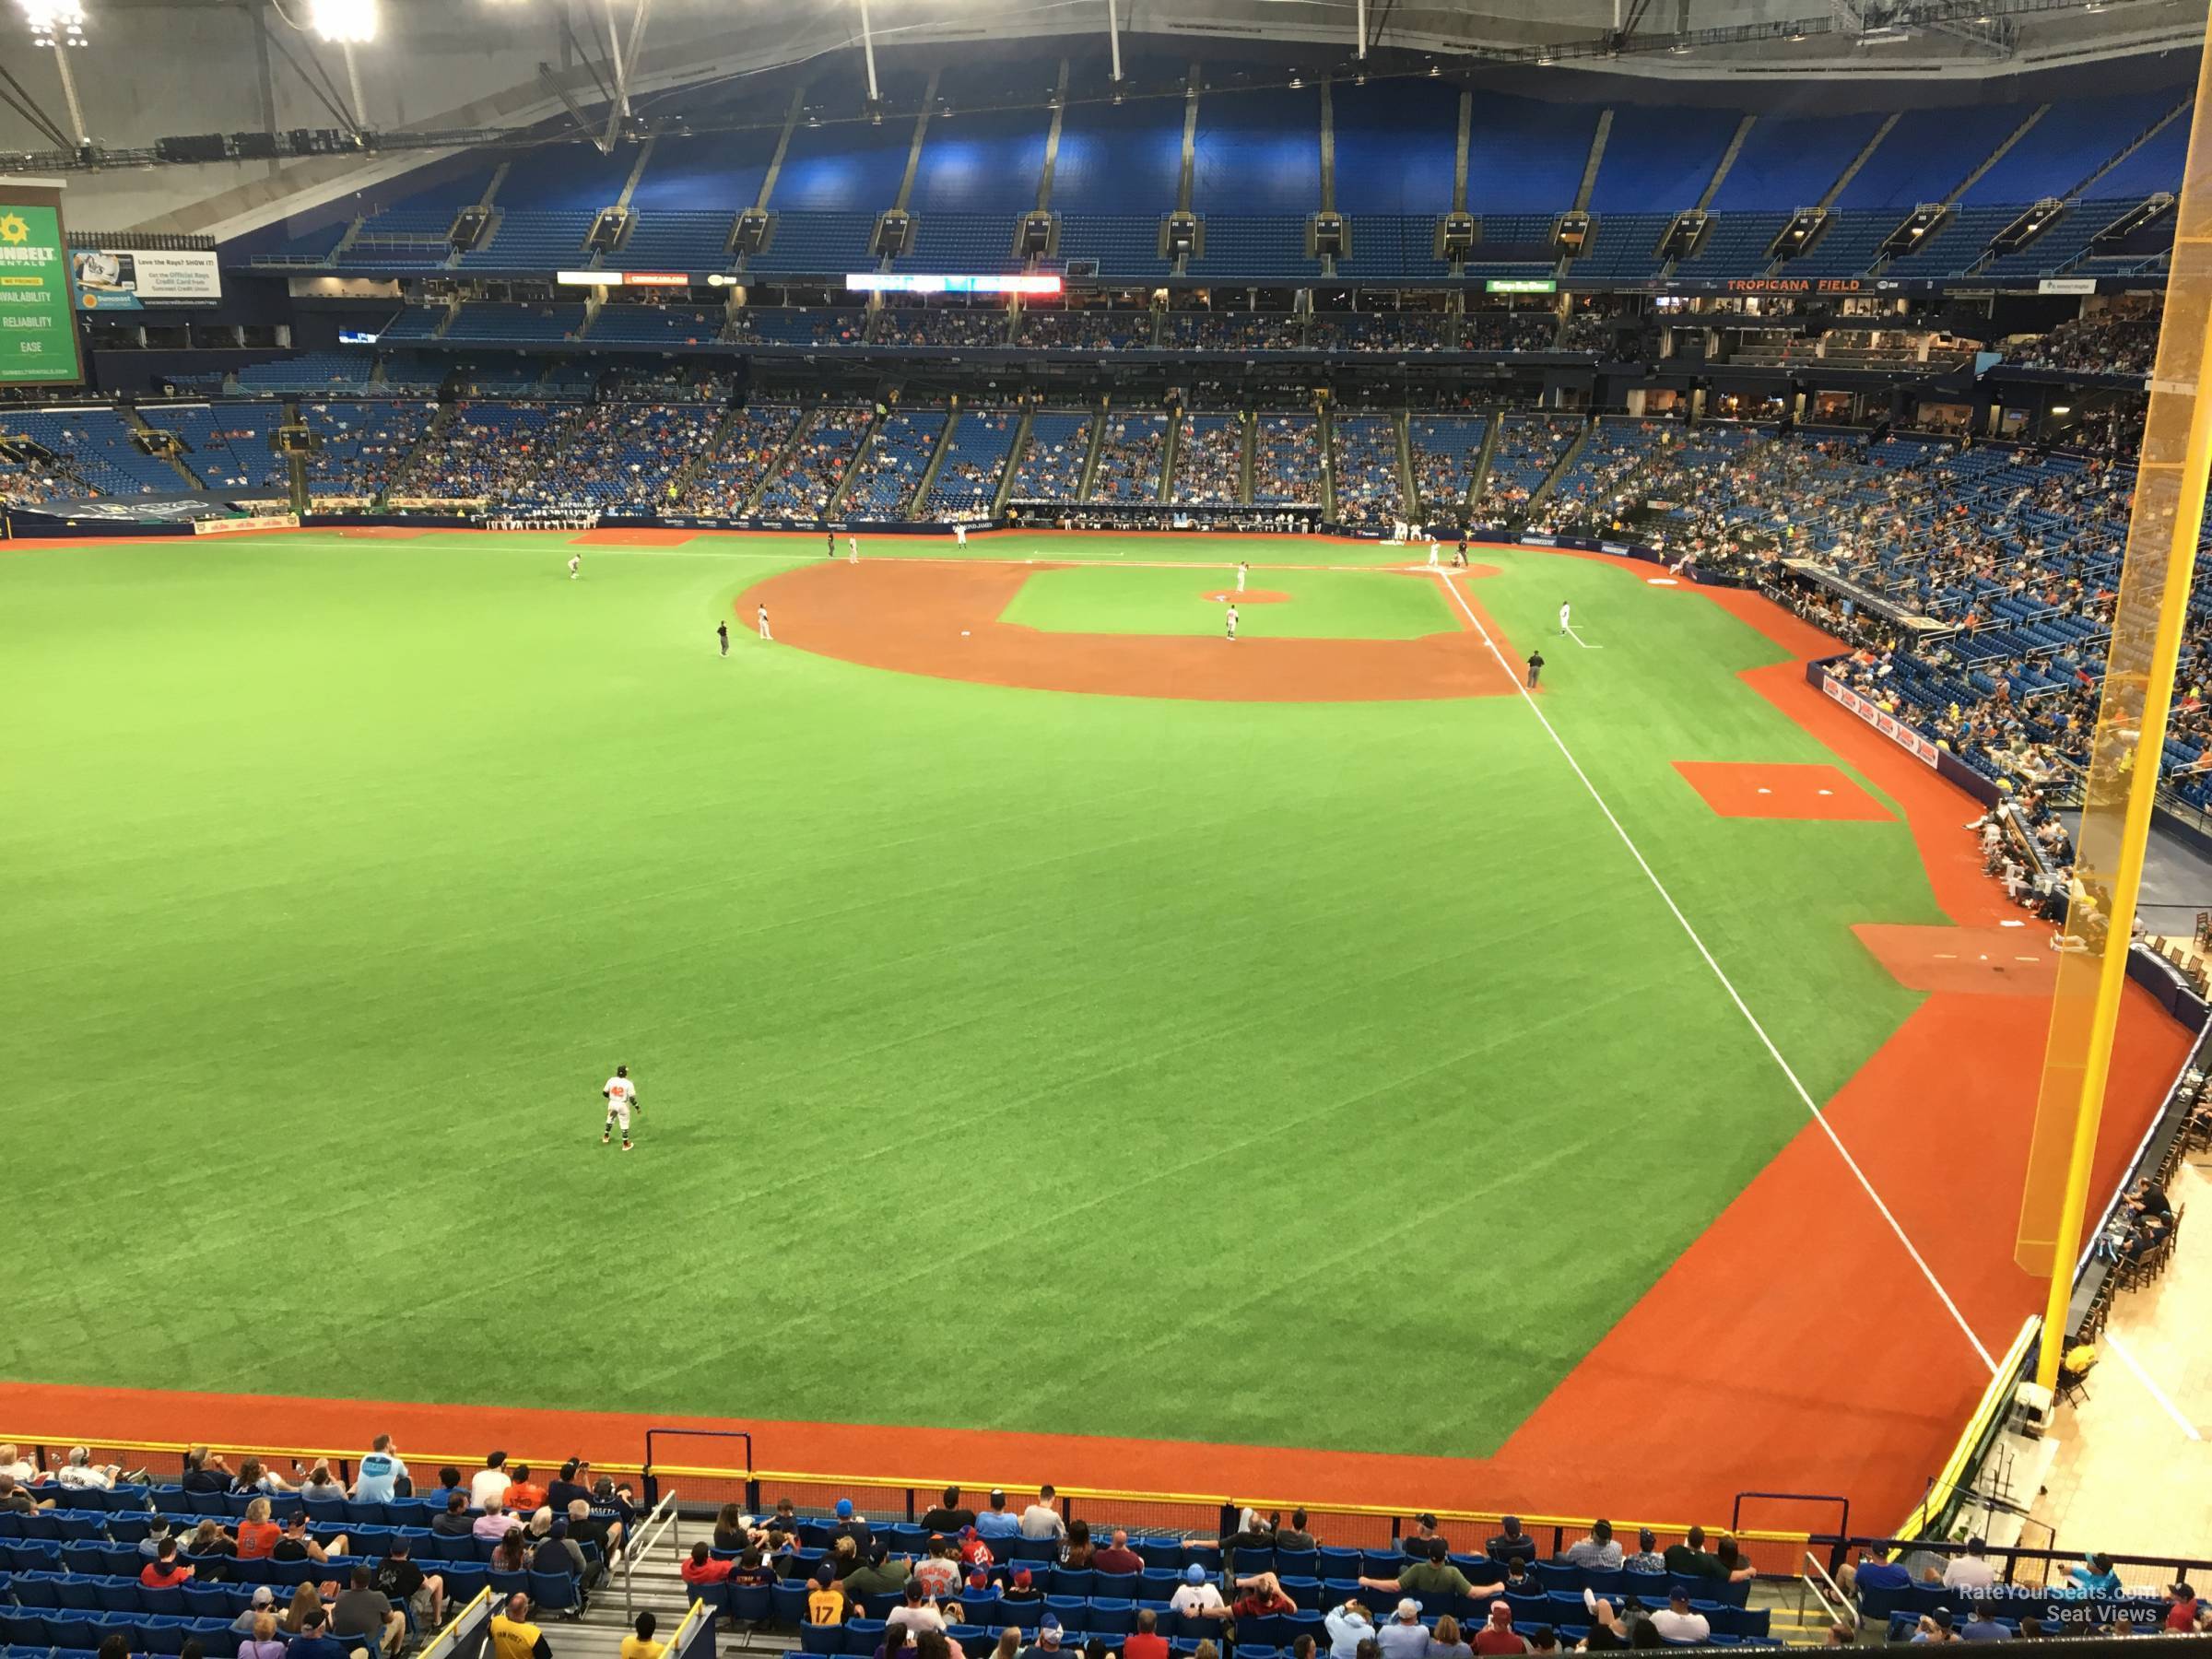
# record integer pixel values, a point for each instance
(37, 330)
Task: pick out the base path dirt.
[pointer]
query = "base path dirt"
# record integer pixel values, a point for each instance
(1762, 790)
(1250, 596)
(641, 536)
(942, 620)
(1994, 962)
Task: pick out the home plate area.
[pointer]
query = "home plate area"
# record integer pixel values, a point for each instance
(1760, 790)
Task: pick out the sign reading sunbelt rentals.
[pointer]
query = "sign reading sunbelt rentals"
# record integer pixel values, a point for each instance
(38, 334)
(134, 278)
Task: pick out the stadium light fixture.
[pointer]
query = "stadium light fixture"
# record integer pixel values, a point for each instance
(54, 22)
(342, 22)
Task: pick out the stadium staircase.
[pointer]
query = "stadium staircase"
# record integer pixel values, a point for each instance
(869, 435)
(432, 437)
(1326, 422)
(175, 457)
(937, 457)
(770, 473)
(1014, 451)
(1408, 493)
(1480, 474)
(1167, 449)
(1090, 458)
(1537, 496)
(1249, 440)
(680, 481)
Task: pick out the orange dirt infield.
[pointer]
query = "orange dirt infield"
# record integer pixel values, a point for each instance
(1756, 790)
(643, 536)
(940, 619)
(2002, 961)
(1249, 597)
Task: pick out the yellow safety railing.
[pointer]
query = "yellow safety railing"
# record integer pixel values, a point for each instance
(768, 1480)
(1994, 1399)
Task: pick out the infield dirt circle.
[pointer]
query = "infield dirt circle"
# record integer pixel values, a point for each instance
(941, 618)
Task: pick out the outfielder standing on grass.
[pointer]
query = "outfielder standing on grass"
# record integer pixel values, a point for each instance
(721, 632)
(621, 1096)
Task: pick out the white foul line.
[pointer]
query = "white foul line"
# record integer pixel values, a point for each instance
(1728, 985)
(2156, 1393)
(1580, 641)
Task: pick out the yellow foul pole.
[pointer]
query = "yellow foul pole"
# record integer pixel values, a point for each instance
(2149, 609)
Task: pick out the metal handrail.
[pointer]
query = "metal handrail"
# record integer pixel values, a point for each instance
(1813, 1581)
(661, 1519)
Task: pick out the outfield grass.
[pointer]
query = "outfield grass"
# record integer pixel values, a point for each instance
(1316, 1075)
(1320, 604)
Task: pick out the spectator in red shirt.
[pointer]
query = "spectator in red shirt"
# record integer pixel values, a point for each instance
(1147, 1644)
(1117, 1557)
(1262, 1596)
(2181, 1608)
(164, 1571)
(703, 1567)
(1499, 1636)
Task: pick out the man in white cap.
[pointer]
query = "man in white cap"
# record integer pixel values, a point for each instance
(1404, 1637)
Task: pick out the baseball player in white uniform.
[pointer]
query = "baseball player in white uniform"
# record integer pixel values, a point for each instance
(621, 1096)
(1242, 567)
(852, 549)
(960, 536)
(1233, 625)
(1565, 612)
(575, 563)
(764, 633)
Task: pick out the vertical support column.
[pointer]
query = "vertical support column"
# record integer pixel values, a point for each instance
(1189, 141)
(1459, 165)
(1328, 151)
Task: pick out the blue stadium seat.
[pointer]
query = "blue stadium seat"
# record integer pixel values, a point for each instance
(1110, 1616)
(751, 1604)
(821, 1639)
(789, 1596)
(864, 1636)
(1072, 1580)
(120, 1595)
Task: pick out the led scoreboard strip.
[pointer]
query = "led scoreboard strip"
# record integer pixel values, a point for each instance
(887, 282)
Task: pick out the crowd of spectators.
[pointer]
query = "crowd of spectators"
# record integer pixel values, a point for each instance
(2118, 339)
(1526, 450)
(1209, 459)
(966, 481)
(1446, 450)
(886, 477)
(1236, 331)
(734, 468)
(1051, 467)
(505, 452)
(1365, 480)
(364, 445)
(627, 454)
(1286, 461)
(1086, 330)
(811, 471)
(941, 325)
(1129, 458)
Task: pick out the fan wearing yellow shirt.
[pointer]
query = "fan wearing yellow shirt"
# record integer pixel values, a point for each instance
(514, 1636)
(642, 1645)
(826, 1604)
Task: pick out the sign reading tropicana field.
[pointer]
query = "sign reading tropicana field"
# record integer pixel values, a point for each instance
(37, 332)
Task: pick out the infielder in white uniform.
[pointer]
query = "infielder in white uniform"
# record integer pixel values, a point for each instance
(1432, 560)
(1564, 612)
(575, 560)
(764, 633)
(1233, 625)
(852, 549)
(621, 1095)
(960, 536)
(1242, 567)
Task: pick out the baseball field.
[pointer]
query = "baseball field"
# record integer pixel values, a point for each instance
(1059, 1031)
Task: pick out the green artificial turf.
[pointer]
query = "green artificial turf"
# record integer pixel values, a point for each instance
(1119, 1056)
(1321, 605)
